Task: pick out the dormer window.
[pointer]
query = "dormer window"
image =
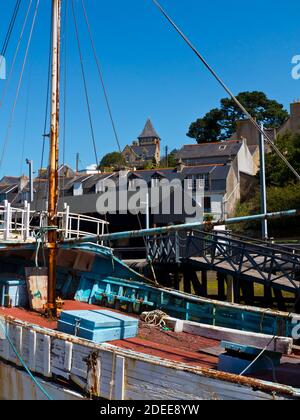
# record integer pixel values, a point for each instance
(77, 189)
(223, 147)
(100, 187)
(132, 184)
(155, 182)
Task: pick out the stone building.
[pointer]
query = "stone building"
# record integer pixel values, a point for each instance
(145, 150)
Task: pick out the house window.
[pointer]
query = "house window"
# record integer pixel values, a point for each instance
(207, 205)
(131, 184)
(223, 147)
(78, 189)
(190, 183)
(100, 187)
(195, 183)
(205, 177)
(155, 182)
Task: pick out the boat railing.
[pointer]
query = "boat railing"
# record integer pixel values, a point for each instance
(23, 224)
(79, 226)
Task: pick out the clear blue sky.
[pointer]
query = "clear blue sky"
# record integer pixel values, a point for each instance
(149, 71)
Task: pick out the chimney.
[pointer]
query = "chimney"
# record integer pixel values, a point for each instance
(23, 183)
(246, 130)
(295, 117)
(180, 166)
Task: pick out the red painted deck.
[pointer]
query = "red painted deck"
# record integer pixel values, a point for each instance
(178, 347)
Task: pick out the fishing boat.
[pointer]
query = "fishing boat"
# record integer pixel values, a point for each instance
(76, 323)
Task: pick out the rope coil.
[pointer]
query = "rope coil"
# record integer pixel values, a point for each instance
(156, 318)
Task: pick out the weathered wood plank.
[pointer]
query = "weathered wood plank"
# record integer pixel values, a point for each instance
(120, 378)
(279, 344)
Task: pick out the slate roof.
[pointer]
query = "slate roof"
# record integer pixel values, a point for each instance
(10, 180)
(149, 131)
(210, 150)
(148, 151)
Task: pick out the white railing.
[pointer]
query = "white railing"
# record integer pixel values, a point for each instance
(22, 224)
(15, 222)
(79, 225)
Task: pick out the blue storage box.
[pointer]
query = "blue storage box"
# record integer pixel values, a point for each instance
(13, 291)
(98, 326)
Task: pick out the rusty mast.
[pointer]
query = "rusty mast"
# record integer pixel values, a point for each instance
(54, 157)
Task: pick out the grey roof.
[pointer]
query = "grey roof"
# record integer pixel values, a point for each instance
(149, 131)
(10, 180)
(216, 172)
(148, 151)
(209, 150)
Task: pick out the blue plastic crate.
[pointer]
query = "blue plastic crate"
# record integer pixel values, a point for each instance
(13, 291)
(98, 326)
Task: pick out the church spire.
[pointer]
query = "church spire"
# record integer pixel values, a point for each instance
(149, 132)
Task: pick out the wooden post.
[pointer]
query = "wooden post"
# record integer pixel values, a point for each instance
(268, 296)
(248, 292)
(230, 289)
(280, 299)
(187, 275)
(221, 286)
(204, 283)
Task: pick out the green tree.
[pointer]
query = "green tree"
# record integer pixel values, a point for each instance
(278, 174)
(111, 160)
(220, 123)
(279, 199)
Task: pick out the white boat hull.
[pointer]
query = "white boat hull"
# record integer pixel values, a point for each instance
(111, 373)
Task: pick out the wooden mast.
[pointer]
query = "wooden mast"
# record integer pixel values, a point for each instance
(54, 157)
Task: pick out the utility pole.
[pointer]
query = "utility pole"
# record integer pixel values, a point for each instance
(54, 158)
(263, 186)
(167, 156)
(30, 166)
(77, 162)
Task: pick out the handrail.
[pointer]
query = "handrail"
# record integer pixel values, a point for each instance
(21, 221)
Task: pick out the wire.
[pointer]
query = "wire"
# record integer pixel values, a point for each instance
(258, 357)
(46, 111)
(19, 85)
(36, 382)
(101, 77)
(9, 31)
(25, 124)
(85, 83)
(226, 88)
(8, 79)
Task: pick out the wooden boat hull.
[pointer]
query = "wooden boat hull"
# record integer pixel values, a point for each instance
(109, 372)
(68, 364)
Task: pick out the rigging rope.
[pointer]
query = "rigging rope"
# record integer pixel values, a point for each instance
(65, 93)
(25, 124)
(9, 31)
(46, 114)
(226, 88)
(19, 85)
(34, 380)
(8, 79)
(85, 83)
(101, 77)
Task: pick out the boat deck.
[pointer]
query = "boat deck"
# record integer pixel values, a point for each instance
(190, 349)
(179, 347)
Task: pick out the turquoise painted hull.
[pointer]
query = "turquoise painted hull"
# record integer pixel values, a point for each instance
(107, 281)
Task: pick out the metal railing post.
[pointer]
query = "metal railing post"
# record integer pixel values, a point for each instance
(66, 222)
(27, 221)
(7, 220)
(177, 247)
